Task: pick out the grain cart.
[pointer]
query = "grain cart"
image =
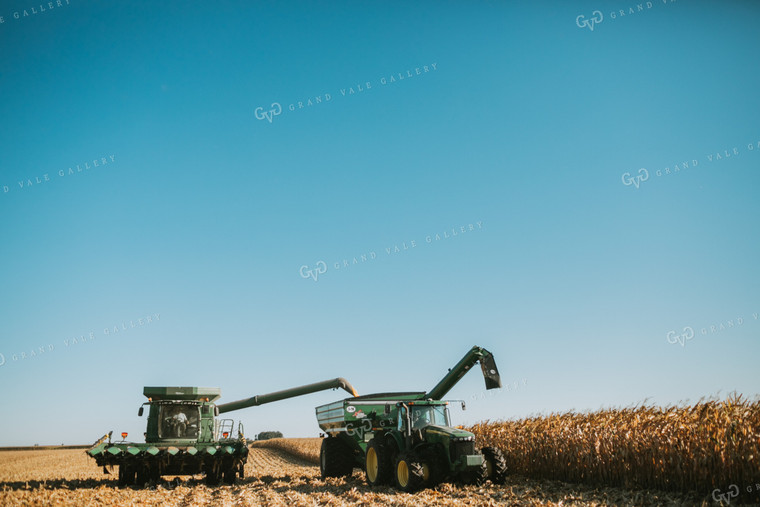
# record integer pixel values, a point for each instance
(406, 438)
(185, 437)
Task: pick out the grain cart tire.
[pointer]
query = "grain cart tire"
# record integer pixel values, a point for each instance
(496, 465)
(335, 458)
(408, 472)
(378, 465)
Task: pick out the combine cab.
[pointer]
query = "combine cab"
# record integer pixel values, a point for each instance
(184, 435)
(407, 438)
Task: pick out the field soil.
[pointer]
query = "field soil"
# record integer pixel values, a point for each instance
(276, 477)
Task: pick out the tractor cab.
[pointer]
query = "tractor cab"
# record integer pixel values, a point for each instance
(416, 415)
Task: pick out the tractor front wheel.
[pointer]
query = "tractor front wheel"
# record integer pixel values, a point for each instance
(496, 465)
(475, 476)
(409, 473)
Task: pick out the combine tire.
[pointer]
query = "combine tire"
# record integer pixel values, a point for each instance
(127, 474)
(496, 465)
(335, 458)
(409, 474)
(377, 464)
(143, 474)
(213, 474)
(229, 475)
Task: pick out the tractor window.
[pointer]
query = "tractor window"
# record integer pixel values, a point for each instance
(178, 421)
(426, 415)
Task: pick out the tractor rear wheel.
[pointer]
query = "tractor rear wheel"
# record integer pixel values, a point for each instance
(496, 465)
(377, 463)
(335, 458)
(409, 474)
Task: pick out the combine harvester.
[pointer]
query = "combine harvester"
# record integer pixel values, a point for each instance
(184, 436)
(407, 438)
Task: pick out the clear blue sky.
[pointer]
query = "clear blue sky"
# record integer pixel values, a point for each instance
(524, 125)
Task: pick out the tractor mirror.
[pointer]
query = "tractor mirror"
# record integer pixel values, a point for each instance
(140, 412)
(216, 411)
(464, 407)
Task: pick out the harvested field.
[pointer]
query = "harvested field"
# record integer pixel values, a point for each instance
(273, 477)
(306, 448)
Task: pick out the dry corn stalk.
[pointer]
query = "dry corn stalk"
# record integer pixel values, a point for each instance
(710, 445)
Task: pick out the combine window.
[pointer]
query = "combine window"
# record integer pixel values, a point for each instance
(178, 421)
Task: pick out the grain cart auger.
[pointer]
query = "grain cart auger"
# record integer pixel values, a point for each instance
(407, 437)
(185, 437)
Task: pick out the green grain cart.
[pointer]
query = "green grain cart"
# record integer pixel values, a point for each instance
(184, 435)
(406, 438)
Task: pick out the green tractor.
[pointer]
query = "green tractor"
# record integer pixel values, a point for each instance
(407, 438)
(184, 435)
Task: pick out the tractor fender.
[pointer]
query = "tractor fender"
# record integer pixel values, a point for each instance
(395, 442)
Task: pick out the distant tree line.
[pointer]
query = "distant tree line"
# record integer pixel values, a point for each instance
(266, 435)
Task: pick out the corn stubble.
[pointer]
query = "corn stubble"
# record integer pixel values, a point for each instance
(700, 448)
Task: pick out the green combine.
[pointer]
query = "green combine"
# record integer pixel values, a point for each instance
(407, 438)
(184, 435)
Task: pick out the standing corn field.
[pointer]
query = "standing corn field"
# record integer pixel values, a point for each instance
(704, 447)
